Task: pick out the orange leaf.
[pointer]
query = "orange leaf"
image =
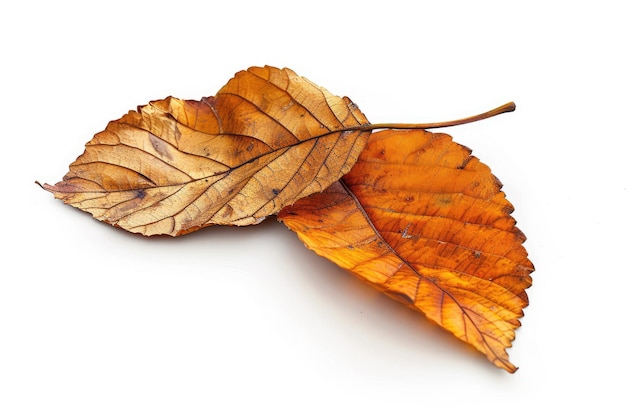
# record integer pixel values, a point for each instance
(268, 138)
(425, 222)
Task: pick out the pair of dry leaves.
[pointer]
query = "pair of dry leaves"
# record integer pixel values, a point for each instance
(408, 211)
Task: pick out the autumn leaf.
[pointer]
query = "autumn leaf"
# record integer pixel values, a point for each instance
(426, 223)
(267, 138)
(408, 211)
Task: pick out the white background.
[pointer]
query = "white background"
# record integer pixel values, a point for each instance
(95, 321)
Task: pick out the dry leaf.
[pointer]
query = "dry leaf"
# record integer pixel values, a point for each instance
(268, 138)
(426, 223)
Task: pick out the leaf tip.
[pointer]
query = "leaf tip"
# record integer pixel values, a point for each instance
(508, 366)
(46, 187)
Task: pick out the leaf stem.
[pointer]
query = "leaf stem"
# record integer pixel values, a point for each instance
(508, 107)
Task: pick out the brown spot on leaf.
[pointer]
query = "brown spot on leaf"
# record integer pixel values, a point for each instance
(160, 146)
